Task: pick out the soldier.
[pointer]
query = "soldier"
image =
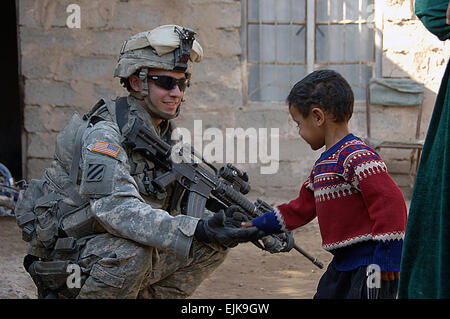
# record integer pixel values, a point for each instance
(95, 206)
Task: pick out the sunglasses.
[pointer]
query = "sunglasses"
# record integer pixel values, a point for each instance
(168, 83)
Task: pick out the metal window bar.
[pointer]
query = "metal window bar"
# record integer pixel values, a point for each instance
(291, 51)
(276, 22)
(301, 25)
(310, 37)
(310, 62)
(244, 40)
(344, 22)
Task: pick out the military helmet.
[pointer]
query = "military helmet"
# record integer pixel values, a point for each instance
(168, 47)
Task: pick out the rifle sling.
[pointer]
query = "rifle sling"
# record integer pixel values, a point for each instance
(121, 112)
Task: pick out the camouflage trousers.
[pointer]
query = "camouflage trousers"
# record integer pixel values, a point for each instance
(120, 268)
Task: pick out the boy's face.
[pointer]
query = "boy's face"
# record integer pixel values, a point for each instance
(310, 128)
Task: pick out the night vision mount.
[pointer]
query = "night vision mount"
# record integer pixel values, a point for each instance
(183, 53)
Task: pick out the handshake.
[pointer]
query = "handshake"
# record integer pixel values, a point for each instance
(230, 227)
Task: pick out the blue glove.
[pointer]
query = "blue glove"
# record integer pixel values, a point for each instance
(267, 223)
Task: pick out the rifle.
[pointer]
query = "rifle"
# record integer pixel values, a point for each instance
(206, 185)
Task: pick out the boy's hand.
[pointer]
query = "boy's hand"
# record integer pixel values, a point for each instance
(390, 275)
(247, 224)
(268, 223)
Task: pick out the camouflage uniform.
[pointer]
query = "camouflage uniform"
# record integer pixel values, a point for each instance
(133, 244)
(146, 252)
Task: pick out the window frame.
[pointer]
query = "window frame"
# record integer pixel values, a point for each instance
(310, 43)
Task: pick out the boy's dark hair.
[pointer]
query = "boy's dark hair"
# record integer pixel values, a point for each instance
(326, 89)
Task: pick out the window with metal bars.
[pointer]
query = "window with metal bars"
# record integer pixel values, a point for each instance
(284, 40)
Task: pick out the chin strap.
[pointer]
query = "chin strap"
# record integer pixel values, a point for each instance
(143, 76)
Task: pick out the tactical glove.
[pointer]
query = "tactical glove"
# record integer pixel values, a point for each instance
(283, 242)
(217, 229)
(273, 246)
(235, 216)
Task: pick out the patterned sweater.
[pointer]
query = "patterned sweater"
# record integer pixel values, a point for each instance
(361, 211)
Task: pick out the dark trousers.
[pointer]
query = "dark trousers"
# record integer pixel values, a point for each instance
(352, 284)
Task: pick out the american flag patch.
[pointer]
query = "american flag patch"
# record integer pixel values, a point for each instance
(106, 148)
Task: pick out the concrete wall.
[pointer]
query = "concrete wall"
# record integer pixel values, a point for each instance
(66, 70)
(409, 51)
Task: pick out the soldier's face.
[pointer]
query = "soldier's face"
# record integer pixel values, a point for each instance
(165, 100)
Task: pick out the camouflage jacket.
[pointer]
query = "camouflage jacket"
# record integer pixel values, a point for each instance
(111, 178)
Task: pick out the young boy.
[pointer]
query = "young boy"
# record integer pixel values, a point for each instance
(361, 211)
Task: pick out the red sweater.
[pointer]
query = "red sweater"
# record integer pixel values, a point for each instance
(352, 195)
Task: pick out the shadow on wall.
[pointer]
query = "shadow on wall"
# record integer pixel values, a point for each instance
(403, 123)
(68, 71)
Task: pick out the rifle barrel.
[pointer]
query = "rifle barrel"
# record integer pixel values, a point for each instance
(313, 259)
(159, 151)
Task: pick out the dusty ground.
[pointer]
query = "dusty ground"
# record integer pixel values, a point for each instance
(248, 272)
(14, 280)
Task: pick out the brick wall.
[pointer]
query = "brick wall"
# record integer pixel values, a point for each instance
(409, 51)
(67, 70)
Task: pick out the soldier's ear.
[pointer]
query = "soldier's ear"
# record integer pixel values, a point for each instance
(135, 83)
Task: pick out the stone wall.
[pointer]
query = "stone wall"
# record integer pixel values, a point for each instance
(409, 51)
(66, 70)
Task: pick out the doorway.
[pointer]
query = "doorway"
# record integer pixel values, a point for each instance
(11, 105)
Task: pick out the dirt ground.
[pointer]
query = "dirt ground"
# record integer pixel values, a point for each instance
(247, 272)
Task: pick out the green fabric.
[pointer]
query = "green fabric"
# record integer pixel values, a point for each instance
(401, 92)
(425, 266)
(432, 14)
